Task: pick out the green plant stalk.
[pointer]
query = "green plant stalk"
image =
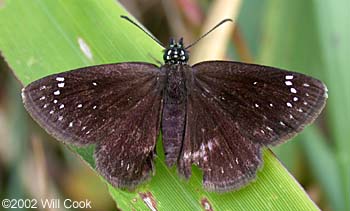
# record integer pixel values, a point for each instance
(304, 35)
(334, 30)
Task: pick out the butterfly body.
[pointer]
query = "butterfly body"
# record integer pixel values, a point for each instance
(178, 76)
(174, 112)
(217, 115)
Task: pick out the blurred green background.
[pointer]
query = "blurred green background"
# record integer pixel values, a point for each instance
(310, 36)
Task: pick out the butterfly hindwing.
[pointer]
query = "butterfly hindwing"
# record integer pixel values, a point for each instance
(135, 138)
(234, 109)
(215, 144)
(115, 106)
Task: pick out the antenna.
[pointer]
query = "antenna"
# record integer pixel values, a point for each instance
(204, 35)
(138, 26)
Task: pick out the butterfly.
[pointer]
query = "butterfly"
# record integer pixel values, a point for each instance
(217, 115)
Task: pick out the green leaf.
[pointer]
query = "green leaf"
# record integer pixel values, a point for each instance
(39, 38)
(320, 156)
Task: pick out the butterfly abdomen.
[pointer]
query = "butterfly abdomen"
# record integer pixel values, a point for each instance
(174, 112)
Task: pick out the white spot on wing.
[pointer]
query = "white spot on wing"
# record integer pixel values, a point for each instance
(326, 91)
(94, 83)
(80, 105)
(288, 83)
(195, 155)
(60, 85)
(306, 85)
(256, 105)
(60, 118)
(42, 98)
(289, 105)
(187, 155)
(61, 106)
(61, 79)
(289, 77)
(70, 124)
(23, 95)
(85, 48)
(210, 145)
(42, 87)
(55, 101)
(293, 90)
(271, 105)
(57, 92)
(202, 147)
(206, 90)
(295, 99)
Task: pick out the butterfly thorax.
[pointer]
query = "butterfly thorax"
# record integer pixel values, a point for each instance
(176, 53)
(175, 88)
(175, 58)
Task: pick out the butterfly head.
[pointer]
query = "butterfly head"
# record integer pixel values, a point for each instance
(176, 53)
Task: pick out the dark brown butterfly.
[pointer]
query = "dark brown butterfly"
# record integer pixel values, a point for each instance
(215, 114)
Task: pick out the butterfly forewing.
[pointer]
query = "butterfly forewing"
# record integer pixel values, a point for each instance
(269, 105)
(115, 106)
(234, 109)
